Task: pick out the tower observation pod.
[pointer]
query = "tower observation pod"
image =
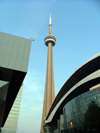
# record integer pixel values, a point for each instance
(50, 38)
(49, 94)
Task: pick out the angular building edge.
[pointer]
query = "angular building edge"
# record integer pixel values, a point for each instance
(14, 53)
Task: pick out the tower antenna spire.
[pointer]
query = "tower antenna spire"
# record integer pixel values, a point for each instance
(50, 25)
(50, 19)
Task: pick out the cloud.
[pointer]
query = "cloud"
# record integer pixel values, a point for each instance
(32, 101)
(33, 90)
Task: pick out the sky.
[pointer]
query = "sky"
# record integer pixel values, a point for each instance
(76, 26)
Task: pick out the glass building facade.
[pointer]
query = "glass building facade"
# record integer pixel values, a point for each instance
(75, 109)
(12, 120)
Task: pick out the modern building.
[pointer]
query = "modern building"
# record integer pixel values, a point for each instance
(74, 110)
(49, 93)
(11, 123)
(71, 102)
(14, 57)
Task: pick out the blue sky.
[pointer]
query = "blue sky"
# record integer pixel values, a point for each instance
(76, 26)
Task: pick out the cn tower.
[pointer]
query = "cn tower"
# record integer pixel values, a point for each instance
(49, 94)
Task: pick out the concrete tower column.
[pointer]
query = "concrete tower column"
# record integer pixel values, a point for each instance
(49, 93)
(49, 77)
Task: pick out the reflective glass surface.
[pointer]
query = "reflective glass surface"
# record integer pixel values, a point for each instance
(75, 109)
(12, 120)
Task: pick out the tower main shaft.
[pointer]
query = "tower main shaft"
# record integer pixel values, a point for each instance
(49, 93)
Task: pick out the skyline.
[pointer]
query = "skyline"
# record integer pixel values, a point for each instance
(76, 26)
